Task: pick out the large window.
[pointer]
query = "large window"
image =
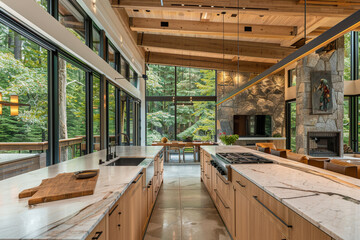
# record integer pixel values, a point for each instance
(161, 81)
(96, 112)
(96, 40)
(291, 125)
(196, 121)
(72, 18)
(195, 82)
(23, 80)
(124, 118)
(347, 56)
(112, 113)
(111, 56)
(72, 110)
(181, 103)
(160, 120)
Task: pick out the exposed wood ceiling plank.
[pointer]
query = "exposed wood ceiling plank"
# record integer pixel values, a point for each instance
(349, 24)
(204, 62)
(211, 28)
(279, 7)
(261, 52)
(311, 26)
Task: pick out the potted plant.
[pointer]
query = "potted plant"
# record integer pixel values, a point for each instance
(228, 139)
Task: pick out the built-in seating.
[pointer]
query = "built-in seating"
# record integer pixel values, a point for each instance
(318, 162)
(344, 167)
(263, 149)
(297, 157)
(281, 153)
(334, 165)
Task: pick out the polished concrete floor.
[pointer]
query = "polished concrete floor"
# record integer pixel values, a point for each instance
(184, 210)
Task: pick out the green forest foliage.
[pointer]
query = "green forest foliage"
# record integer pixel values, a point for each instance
(24, 72)
(195, 121)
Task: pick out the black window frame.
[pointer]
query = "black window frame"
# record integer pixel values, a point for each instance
(176, 99)
(290, 77)
(54, 52)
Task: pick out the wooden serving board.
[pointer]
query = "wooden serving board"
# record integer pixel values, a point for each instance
(63, 186)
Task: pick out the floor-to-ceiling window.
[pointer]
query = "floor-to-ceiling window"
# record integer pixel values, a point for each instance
(72, 110)
(112, 113)
(180, 103)
(96, 112)
(23, 96)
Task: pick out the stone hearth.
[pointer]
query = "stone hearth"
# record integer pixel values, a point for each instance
(306, 121)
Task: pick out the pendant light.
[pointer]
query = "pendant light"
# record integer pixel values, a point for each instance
(304, 22)
(223, 13)
(238, 43)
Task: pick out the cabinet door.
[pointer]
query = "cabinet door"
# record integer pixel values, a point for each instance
(143, 204)
(135, 209)
(241, 216)
(304, 230)
(114, 222)
(99, 231)
(261, 225)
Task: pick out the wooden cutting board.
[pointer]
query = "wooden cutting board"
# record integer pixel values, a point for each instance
(63, 186)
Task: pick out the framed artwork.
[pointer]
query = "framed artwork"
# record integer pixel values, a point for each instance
(322, 93)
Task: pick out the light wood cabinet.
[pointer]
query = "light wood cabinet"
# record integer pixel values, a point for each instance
(127, 219)
(242, 206)
(115, 227)
(304, 230)
(259, 216)
(99, 232)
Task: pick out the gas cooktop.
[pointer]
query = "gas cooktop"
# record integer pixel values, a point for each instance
(242, 158)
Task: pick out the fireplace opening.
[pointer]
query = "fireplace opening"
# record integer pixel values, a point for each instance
(324, 144)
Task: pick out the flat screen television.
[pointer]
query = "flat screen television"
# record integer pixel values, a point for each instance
(252, 125)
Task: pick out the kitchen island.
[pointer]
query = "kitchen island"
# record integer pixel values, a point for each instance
(297, 199)
(73, 218)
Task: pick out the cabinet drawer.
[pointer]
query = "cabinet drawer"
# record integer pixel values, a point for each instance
(224, 209)
(304, 230)
(223, 187)
(272, 209)
(99, 232)
(241, 183)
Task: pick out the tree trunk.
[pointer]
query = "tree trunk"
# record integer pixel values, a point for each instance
(17, 47)
(63, 133)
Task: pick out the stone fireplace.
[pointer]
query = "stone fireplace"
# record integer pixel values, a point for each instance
(324, 144)
(320, 134)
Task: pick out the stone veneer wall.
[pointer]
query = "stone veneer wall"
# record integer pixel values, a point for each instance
(305, 121)
(265, 98)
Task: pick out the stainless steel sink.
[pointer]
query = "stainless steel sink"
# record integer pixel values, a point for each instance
(126, 162)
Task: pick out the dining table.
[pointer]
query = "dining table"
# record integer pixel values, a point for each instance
(182, 145)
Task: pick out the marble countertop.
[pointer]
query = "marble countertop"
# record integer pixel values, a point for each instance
(72, 218)
(261, 138)
(328, 200)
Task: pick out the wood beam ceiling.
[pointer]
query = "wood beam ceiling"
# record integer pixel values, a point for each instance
(276, 7)
(211, 28)
(250, 51)
(204, 62)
